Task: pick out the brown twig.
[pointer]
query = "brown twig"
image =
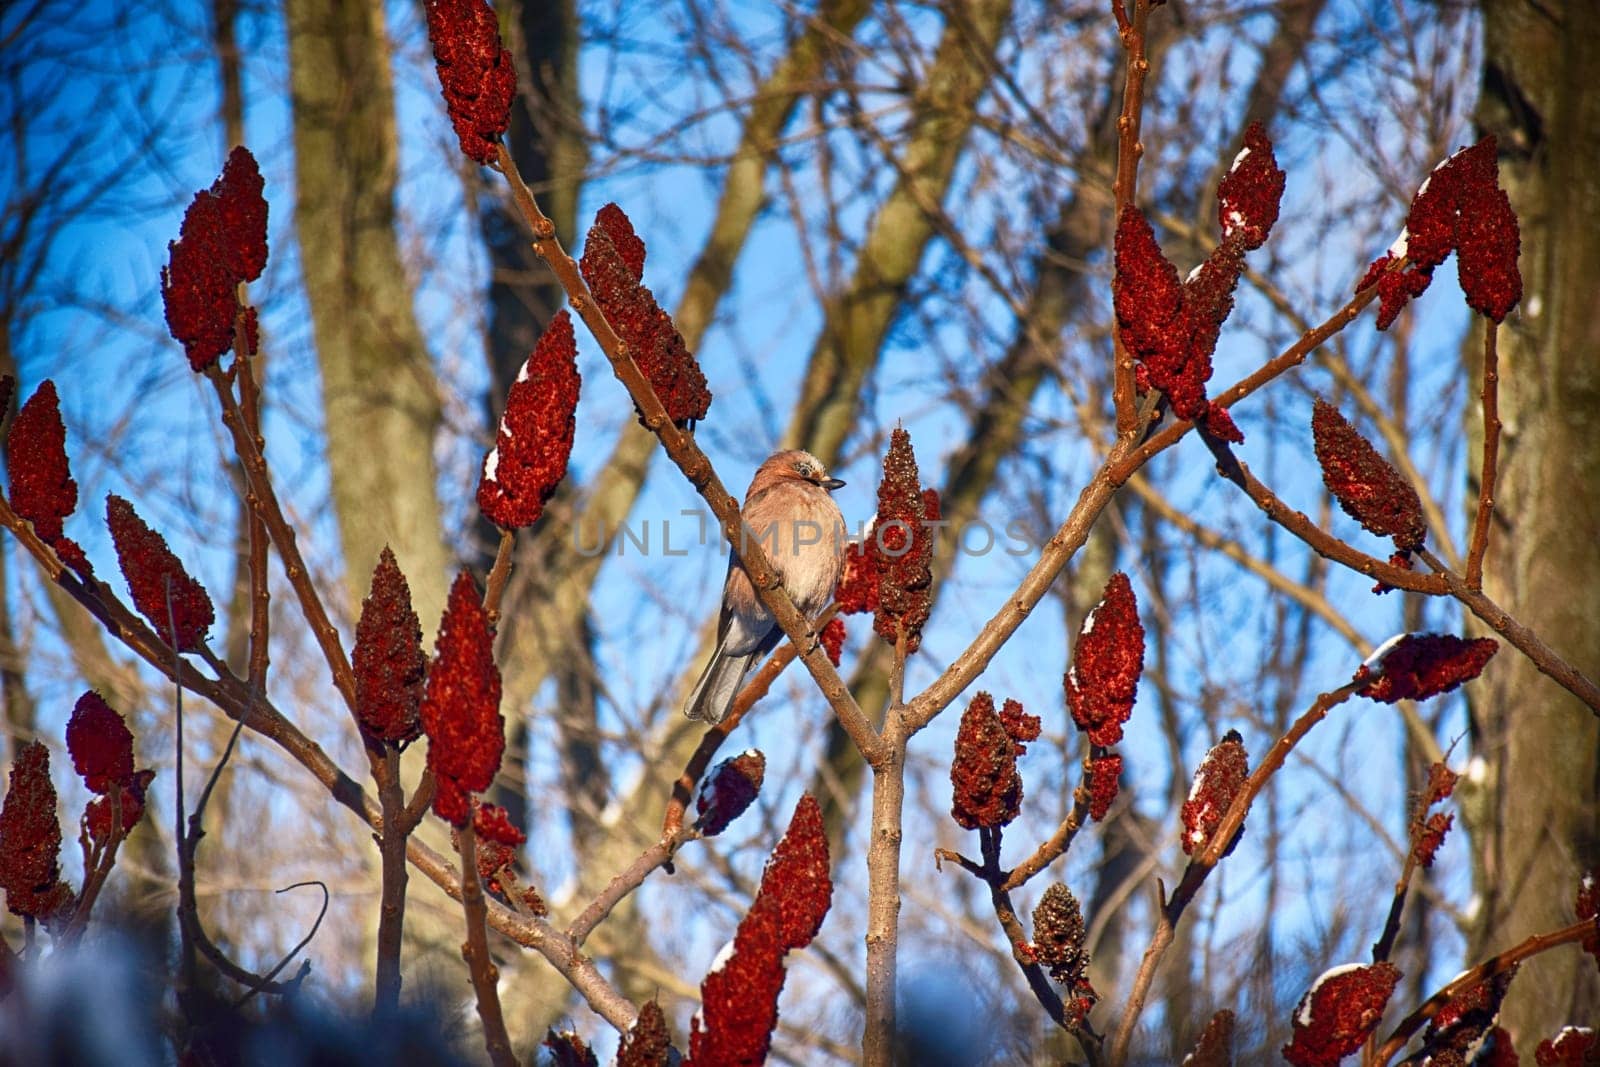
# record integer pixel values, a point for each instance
(1055, 555)
(1285, 361)
(1549, 662)
(188, 974)
(190, 829)
(681, 448)
(972, 867)
(267, 985)
(883, 895)
(498, 575)
(266, 505)
(883, 870)
(627, 880)
(392, 902)
(260, 597)
(757, 687)
(485, 975)
(1171, 910)
(1391, 924)
(1441, 582)
(1057, 843)
(1484, 971)
(415, 809)
(1397, 905)
(1129, 152)
(96, 870)
(990, 873)
(1415, 831)
(1490, 395)
(1318, 539)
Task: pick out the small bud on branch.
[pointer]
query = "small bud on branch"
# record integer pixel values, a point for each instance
(567, 1049)
(1105, 772)
(1058, 936)
(1104, 678)
(732, 787)
(222, 243)
(42, 488)
(1368, 489)
(1419, 666)
(647, 1043)
(1217, 781)
(161, 587)
(461, 710)
(529, 458)
(986, 788)
(1338, 1012)
(832, 638)
(1587, 906)
(30, 838)
(739, 997)
(476, 76)
(388, 661)
(612, 265)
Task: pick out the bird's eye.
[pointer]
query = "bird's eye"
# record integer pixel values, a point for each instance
(803, 469)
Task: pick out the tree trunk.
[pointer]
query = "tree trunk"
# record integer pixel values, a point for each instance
(1539, 818)
(379, 396)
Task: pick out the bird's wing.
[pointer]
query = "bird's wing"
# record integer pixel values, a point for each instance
(745, 625)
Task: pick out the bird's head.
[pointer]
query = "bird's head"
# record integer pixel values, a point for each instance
(796, 465)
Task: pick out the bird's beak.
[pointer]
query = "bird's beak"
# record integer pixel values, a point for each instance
(831, 484)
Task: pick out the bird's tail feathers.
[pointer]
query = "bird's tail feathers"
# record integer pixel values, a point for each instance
(713, 694)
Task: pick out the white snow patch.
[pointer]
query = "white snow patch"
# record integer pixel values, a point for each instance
(1199, 780)
(1194, 273)
(1375, 660)
(1303, 1016)
(1477, 770)
(523, 375)
(1238, 160)
(1088, 621)
(724, 954)
(1423, 188)
(491, 464)
(1401, 244)
(1072, 674)
(1234, 220)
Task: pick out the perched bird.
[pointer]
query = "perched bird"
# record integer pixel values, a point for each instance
(789, 513)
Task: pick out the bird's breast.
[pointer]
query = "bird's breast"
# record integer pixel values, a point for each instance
(806, 541)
